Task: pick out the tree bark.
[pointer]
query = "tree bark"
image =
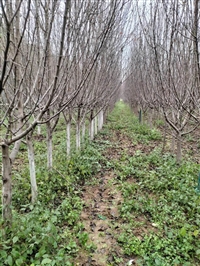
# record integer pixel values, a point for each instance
(140, 115)
(150, 117)
(49, 147)
(7, 184)
(179, 151)
(78, 135)
(91, 129)
(96, 125)
(91, 126)
(68, 118)
(39, 133)
(173, 143)
(83, 131)
(31, 159)
(100, 120)
(15, 150)
(68, 136)
(164, 137)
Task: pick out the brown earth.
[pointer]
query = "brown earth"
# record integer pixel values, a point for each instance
(100, 215)
(100, 212)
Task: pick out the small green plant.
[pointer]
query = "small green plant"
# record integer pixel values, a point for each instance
(164, 197)
(50, 232)
(36, 239)
(159, 122)
(160, 208)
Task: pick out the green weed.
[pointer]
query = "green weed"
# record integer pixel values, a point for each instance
(158, 195)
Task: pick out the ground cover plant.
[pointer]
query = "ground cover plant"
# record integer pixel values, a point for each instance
(117, 201)
(49, 232)
(160, 209)
(163, 196)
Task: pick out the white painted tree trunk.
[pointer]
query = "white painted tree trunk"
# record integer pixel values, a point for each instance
(68, 137)
(95, 125)
(17, 144)
(31, 159)
(83, 131)
(39, 130)
(49, 148)
(100, 120)
(7, 185)
(15, 150)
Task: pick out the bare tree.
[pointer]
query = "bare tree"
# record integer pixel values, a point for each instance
(166, 75)
(20, 100)
(48, 54)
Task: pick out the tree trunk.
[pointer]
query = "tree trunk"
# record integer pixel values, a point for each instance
(7, 185)
(68, 136)
(67, 117)
(140, 115)
(49, 147)
(15, 150)
(95, 125)
(150, 117)
(100, 120)
(91, 129)
(39, 130)
(173, 144)
(78, 135)
(31, 159)
(164, 138)
(105, 114)
(83, 131)
(178, 152)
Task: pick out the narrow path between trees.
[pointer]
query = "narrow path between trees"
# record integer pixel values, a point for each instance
(102, 198)
(100, 215)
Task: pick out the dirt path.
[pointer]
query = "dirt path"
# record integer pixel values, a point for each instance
(100, 214)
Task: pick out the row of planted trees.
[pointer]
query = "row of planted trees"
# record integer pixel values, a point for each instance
(57, 58)
(164, 68)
